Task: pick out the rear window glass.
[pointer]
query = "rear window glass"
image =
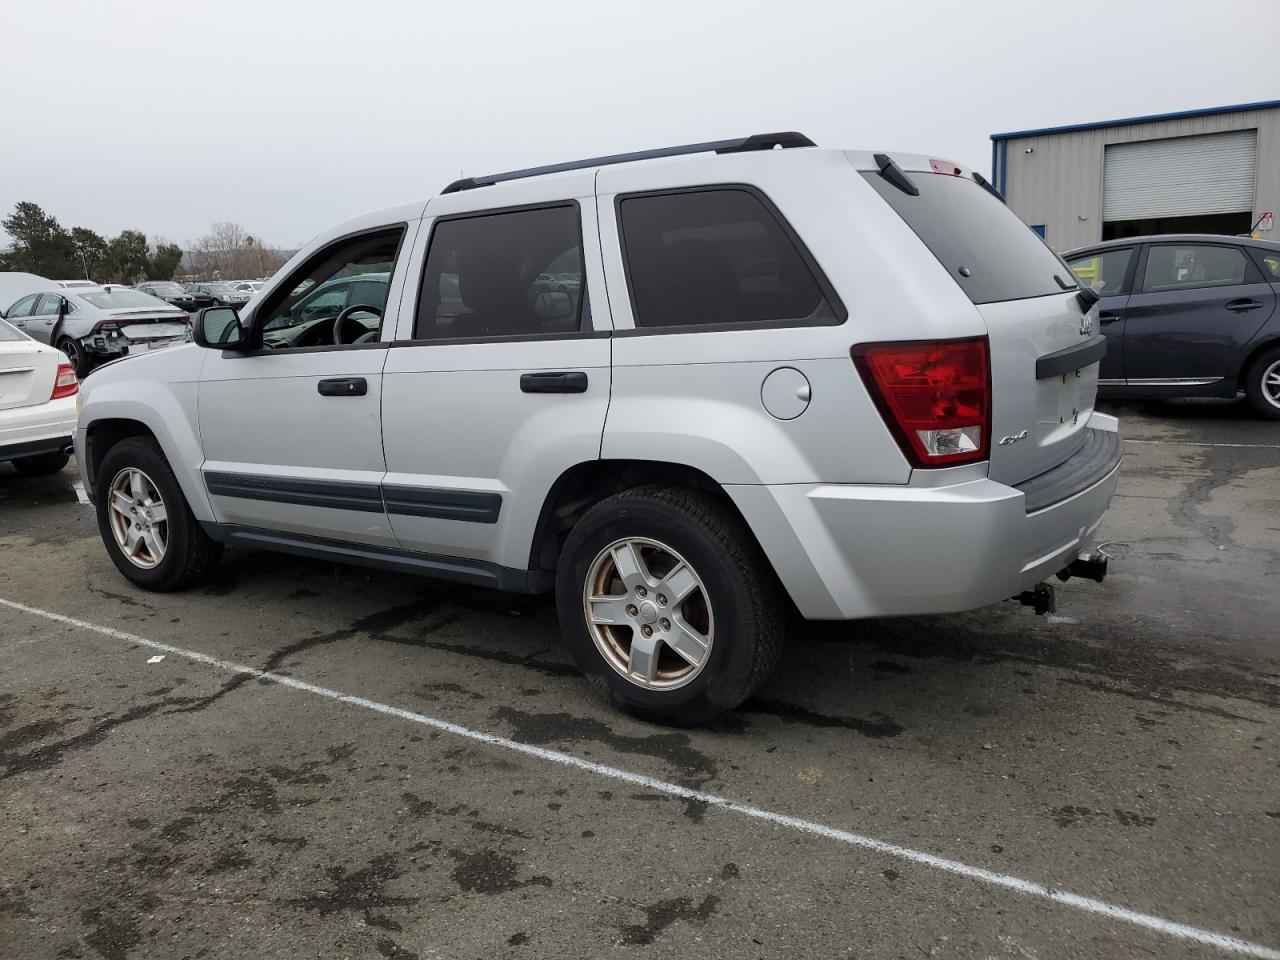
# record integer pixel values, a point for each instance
(9, 333)
(123, 300)
(988, 251)
(715, 256)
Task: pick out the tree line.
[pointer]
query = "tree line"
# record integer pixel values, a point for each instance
(41, 245)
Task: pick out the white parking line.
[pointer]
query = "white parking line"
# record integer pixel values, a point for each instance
(1170, 928)
(1202, 443)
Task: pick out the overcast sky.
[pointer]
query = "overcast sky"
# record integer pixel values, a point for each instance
(289, 116)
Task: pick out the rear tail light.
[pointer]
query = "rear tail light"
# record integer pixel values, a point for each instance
(65, 383)
(934, 395)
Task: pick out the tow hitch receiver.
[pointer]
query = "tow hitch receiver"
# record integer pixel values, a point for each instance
(1040, 597)
(1090, 566)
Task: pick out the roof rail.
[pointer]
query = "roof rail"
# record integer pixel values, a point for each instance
(758, 141)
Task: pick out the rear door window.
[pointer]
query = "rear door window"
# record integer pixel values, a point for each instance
(988, 251)
(1185, 266)
(1103, 271)
(513, 274)
(48, 305)
(717, 256)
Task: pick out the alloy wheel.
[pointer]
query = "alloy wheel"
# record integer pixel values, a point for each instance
(1271, 384)
(139, 520)
(648, 612)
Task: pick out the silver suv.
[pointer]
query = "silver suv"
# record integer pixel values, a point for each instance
(687, 390)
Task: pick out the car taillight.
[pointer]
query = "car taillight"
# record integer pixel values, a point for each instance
(934, 395)
(65, 383)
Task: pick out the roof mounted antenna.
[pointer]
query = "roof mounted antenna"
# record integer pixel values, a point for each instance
(758, 141)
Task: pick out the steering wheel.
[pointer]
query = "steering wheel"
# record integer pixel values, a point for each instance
(341, 321)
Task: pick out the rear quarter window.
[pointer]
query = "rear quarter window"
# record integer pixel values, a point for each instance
(988, 251)
(718, 256)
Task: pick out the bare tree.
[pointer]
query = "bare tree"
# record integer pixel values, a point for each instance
(229, 252)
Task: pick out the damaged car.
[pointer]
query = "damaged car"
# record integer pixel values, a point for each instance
(94, 326)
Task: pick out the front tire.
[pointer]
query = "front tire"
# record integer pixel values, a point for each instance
(668, 605)
(43, 465)
(149, 530)
(1262, 384)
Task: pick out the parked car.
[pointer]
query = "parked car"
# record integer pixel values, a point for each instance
(79, 284)
(1188, 316)
(94, 326)
(847, 383)
(248, 286)
(223, 293)
(37, 404)
(176, 295)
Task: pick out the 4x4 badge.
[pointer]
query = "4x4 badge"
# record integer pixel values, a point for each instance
(1005, 441)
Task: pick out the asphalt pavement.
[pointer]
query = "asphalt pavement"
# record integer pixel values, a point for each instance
(310, 760)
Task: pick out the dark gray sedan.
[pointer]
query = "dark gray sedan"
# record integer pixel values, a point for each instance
(1187, 315)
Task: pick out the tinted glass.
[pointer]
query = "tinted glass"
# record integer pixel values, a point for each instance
(503, 275)
(970, 231)
(715, 256)
(124, 300)
(23, 307)
(1179, 266)
(1103, 271)
(9, 333)
(164, 289)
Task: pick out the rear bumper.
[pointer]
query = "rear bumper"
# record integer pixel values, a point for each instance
(851, 551)
(31, 431)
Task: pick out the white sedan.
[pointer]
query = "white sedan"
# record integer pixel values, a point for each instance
(38, 390)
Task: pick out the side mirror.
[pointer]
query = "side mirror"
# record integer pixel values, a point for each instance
(218, 328)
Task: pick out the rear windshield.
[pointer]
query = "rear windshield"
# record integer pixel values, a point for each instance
(124, 299)
(984, 246)
(9, 333)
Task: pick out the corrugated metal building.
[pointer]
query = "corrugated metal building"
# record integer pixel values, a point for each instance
(1199, 171)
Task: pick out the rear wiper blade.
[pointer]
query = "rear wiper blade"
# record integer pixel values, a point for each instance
(896, 175)
(985, 184)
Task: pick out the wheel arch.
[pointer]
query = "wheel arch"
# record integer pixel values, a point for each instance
(182, 451)
(582, 486)
(1255, 351)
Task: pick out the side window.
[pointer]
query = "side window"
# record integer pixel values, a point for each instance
(23, 307)
(503, 275)
(1104, 271)
(1176, 266)
(305, 309)
(715, 256)
(48, 305)
(1271, 261)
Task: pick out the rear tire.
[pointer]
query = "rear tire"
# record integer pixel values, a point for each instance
(80, 360)
(725, 619)
(176, 553)
(1262, 384)
(42, 465)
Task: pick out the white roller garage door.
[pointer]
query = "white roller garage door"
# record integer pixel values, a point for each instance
(1180, 176)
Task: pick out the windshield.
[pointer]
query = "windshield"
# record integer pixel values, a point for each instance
(124, 300)
(988, 251)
